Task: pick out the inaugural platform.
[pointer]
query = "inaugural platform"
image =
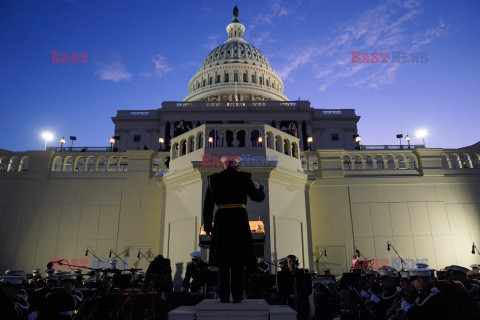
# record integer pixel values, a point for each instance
(250, 309)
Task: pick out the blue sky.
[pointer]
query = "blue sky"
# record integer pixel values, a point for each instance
(144, 52)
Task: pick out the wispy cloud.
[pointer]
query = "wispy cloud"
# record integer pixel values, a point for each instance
(161, 68)
(386, 27)
(113, 71)
(213, 41)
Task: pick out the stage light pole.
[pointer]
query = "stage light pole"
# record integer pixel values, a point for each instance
(407, 138)
(357, 140)
(422, 133)
(112, 141)
(161, 141)
(62, 141)
(47, 136)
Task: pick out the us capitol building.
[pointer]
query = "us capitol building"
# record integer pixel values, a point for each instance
(323, 190)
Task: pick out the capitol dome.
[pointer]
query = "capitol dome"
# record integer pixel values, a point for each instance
(235, 71)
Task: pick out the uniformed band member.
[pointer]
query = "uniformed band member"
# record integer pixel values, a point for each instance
(231, 248)
(379, 305)
(408, 294)
(195, 272)
(13, 299)
(475, 269)
(430, 302)
(295, 285)
(63, 302)
(467, 305)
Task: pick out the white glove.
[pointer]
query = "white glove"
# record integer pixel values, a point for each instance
(405, 305)
(364, 295)
(183, 289)
(374, 298)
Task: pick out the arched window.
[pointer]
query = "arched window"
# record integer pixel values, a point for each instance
(57, 164)
(270, 140)
(369, 162)
(240, 139)
(191, 144)
(79, 164)
(286, 147)
(218, 79)
(412, 162)
(235, 77)
(210, 81)
(380, 162)
(24, 163)
(294, 150)
(465, 159)
(475, 160)
(244, 77)
(123, 164)
(347, 163)
(101, 164)
(390, 162)
(68, 164)
(204, 82)
(175, 150)
(260, 80)
(267, 83)
(455, 161)
(13, 164)
(227, 77)
(358, 162)
(112, 164)
(402, 161)
(445, 161)
(3, 163)
(200, 140)
(278, 143)
(90, 164)
(183, 147)
(253, 79)
(254, 136)
(228, 136)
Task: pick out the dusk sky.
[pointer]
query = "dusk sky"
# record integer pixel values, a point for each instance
(144, 52)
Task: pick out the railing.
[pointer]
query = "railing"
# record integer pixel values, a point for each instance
(81, 149)
(460, 159)
(391, 147)
(89, 162)
(247, 104)
(210, 136)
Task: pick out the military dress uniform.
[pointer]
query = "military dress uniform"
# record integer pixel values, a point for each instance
(294, 287)
(17, 307)
(62, 303)
(231, 247)
(196, 273)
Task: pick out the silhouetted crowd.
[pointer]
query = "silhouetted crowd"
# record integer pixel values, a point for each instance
(364, 293)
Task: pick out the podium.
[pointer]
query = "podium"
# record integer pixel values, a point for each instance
(250, 309)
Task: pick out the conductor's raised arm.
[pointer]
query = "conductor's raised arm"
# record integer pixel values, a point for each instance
(254, 193)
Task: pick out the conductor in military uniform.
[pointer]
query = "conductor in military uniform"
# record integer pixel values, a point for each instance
(231, 248)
